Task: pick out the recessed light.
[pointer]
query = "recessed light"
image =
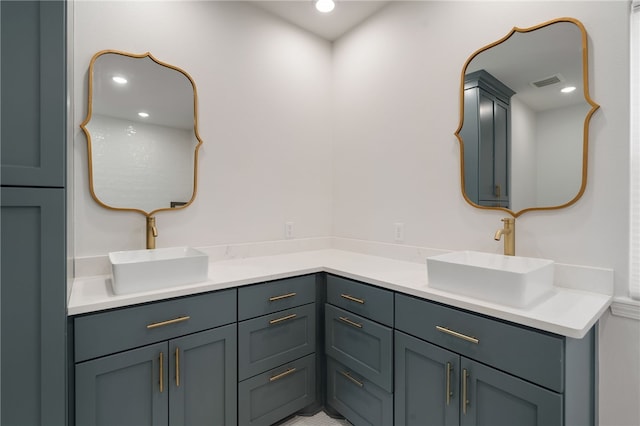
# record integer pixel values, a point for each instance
(568, 89)
(143, 114)
(325, 6)
(119, 79)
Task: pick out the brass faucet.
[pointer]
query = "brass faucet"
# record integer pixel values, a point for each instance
(152, 232)
(509, 232)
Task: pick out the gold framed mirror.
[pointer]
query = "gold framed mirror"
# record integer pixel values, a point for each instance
(523, 133)
(142, 133)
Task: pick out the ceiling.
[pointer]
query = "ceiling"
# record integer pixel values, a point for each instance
(330, 26)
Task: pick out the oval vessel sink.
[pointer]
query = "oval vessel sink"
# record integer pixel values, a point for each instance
(145, 270)
(509, 280)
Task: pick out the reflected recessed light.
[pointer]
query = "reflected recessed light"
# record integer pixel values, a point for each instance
(568, 89)
(325, 6)
(120, 80)
(143, 114)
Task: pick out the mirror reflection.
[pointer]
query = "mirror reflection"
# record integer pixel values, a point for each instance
(524, 119)
(142, 134)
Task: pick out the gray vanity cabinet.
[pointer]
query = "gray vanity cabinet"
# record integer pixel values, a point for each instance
(493, 372)
(359, 349)
(486, 136)
(166, 363)
(276, 349)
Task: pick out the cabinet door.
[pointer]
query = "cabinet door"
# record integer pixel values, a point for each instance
(494, 398)
(33, 93)
(33, 306)
(129, 388)
(203, 378)
(426, 383)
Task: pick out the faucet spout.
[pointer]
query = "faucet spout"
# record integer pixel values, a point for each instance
(509, 232)
(152, 232)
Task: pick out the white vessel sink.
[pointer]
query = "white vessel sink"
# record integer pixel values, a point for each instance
(509, 280)
(144, 270)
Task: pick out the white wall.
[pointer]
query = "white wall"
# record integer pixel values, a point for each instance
(396, 84)
(523, 156)
(348, 141)
(264, 95)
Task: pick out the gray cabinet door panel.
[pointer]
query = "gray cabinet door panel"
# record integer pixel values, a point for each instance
(203, 378)
(266, 298)
(124, 389)
(424, 375)
(276, 394)
(33, 93)
(362, 345)
(533, 355)
(357, 399)
(498, 399)
(121, 329)
(33, 306)
(271, 340)
(363, 299)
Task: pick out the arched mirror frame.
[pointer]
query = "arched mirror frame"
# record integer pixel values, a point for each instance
(88, 134)
(585, 144)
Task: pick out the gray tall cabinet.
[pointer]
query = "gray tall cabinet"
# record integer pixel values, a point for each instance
(33, 286)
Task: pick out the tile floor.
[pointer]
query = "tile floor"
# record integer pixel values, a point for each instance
(320, 419)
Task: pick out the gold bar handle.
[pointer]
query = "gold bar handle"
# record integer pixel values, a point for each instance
(283, 296)
(168, 322)
(465, 400)
(277, 320)
(177, 367)
(353, 299)
(348, 321)
(350, 377)
(281, 375)
(448, 390)
(458, 335)
(161, 372)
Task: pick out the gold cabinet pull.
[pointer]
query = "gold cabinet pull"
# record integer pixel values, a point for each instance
(348, 321)
(282, 296)
(448, 390)
(161, 372)
(353, 299)
(168, 322)
(177, 367)
(277, 320)
(350, 377)
(458, 335)
(465, 400)
(281, 375)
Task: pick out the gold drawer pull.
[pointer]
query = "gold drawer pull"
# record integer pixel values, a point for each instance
(353, 299)
(283, 296)
(458, 335)
(348, 321)
(281, 375)
(177, 367)
(350, 377)
(168, 322)
(161, 362)
(277, 320)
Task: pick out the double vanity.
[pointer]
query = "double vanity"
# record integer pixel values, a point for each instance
(363, 337)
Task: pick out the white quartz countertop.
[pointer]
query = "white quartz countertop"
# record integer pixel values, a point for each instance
(568, 312)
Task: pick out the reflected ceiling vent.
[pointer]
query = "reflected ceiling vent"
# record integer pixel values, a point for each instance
(554, 79)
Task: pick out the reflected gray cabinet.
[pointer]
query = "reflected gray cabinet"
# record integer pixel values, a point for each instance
(32, 174)
(187, 381)
(486, 135)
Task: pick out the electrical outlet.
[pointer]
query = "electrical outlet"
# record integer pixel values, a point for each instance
(288, 230)
(398, 232)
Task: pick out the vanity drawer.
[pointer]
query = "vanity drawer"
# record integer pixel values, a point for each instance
(356, 398)
(364, 346)
(117, 330)
(269, 397)
(263, 299)
(271, 340)
(363, 299)
(533, 355)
